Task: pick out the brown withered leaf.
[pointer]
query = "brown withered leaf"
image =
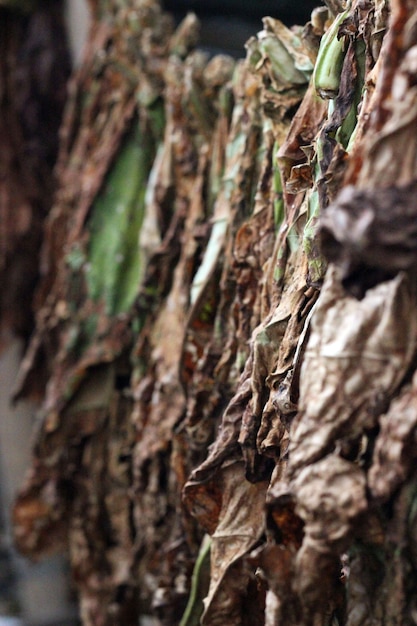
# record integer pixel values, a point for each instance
(100, 536)
(385, 149)
(164, 363)
(274, 345)
(214, 288)
(330, 494)
(370, 234)
(276, 558)
(277, 374)
(234, 252)
(276, 564)
(161, 547)
(80, 488)
(228, 329)
(393, 455)
(330, 497)
(303, 130)
(48, 490)
(237, 529)
(338, 401)
(386, 555)
(87, 150)
(240, 423)
(166, 336)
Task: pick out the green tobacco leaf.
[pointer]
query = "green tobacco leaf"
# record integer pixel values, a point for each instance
(347, 128)
(282, 50)
(279, 208)
(328, 67)
(115, 265)
(199, 586)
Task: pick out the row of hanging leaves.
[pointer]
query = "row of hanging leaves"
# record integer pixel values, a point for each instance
(224, 343)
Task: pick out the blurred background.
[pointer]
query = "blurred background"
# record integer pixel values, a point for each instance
(228, 24)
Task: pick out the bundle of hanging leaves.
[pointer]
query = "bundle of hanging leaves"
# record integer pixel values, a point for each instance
(225, 329)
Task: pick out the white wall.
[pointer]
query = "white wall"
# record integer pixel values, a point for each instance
(42, 588)
(77, 17)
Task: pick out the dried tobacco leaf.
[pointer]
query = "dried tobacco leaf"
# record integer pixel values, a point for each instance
(296, 150)
(335, 413)
(370, 235)
(79, 491)
(239, 425)
(235, 533)
(393, 455)
(334, 440)
(229, 325)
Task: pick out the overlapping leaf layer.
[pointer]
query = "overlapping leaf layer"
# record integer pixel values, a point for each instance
(227, 345)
